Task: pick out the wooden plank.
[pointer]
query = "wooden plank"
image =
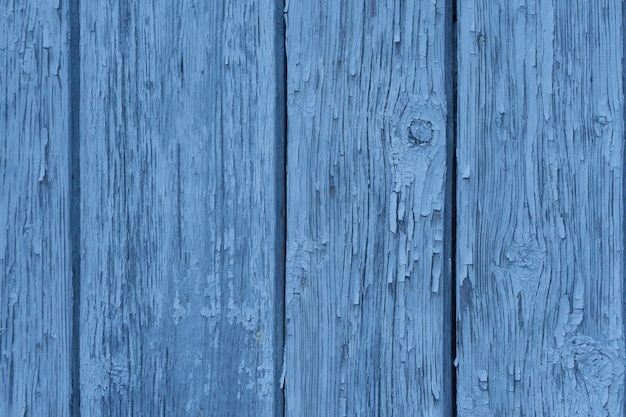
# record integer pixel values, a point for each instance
(35, 248)
(541, 208)
(181, 166)
(366, 271)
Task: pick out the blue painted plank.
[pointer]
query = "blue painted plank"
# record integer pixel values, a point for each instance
(181, 182)
(35, 249)
(368, 284)
(541, 208)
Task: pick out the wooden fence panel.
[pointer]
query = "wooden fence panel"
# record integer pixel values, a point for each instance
(367, 282)
(35, 246)
(159, 136)
(181, 181)
(540, 208)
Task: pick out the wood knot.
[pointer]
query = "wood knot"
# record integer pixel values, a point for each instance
(592, 369)
(601, 125)
(420, 132)
(525, 260)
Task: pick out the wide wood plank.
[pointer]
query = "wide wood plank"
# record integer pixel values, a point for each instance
(35, 248)
(540, 208)
(367, 281)
(182, 233)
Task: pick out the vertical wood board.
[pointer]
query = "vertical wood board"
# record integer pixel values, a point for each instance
(35, 249)
(366, 283)
(540, 208)
(181, 165)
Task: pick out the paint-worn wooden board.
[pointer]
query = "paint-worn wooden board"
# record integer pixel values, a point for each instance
(366, 270)
(182, 166)
(35, 249)
(540, 208)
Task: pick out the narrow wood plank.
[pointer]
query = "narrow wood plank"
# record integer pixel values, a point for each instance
(366, 286)
(541, 208)
(35, 249)
(181, 165)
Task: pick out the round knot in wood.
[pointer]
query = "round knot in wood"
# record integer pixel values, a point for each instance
(420, 131)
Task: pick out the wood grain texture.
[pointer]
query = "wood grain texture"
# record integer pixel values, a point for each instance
(35, 249)
(366, 178)
(181, 167)
(540, 208)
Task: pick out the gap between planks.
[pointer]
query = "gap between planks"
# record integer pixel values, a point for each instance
(74, 199)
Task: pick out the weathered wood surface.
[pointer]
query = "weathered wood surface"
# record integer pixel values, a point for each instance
(35, 249)
(541, 208)
(181, 169)
(366, 281)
